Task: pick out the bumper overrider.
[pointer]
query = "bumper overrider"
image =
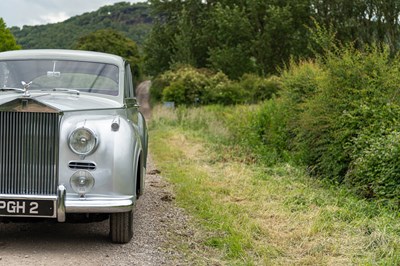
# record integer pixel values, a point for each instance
(58, 206)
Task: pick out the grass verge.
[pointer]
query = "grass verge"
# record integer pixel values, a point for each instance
(275, 215)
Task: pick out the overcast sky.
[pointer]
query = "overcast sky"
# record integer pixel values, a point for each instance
(36, 12)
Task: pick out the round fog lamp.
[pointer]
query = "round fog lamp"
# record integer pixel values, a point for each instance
(82, 182)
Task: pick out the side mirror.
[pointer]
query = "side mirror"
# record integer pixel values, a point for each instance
(131, 102)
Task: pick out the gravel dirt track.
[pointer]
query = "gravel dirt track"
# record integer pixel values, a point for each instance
(156, 218)
(158, 225)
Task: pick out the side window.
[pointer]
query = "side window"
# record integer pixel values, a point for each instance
(129, 93)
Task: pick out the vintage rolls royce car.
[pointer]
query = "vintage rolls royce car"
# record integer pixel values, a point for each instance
(73, 144)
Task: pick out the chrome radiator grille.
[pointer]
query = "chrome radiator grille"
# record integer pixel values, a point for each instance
(29, 153)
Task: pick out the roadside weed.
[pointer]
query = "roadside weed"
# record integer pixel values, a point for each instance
(255, 214)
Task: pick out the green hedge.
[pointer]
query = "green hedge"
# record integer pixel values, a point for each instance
(343, 117)
(339, 115)
(190, 86)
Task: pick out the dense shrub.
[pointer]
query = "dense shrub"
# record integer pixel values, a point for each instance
(186, 85)
(343, 118)
(190, 86)
(228, 93)
(375, 171)
(374, 168)
(338, 114)
(300, 81)
(333, 118)
(267, 132)
(259, 88)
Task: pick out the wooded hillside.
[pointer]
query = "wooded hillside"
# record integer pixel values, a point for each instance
(132, 19)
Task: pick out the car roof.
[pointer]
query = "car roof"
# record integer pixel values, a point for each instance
(61, 54)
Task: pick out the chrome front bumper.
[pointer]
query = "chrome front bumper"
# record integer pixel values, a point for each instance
(91, 205)
(63, 205)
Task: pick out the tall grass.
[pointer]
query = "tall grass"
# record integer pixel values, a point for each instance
(264, 214)
(243, 129)
(337, 114)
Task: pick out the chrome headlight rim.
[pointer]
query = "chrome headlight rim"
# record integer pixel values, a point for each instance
(93, 135)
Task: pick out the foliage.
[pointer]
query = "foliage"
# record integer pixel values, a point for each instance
(228, 93)
(375, 170)
(231, 60)
(252, 36)
(133, 20)
(333, 117)
(7, 41)
(337, 114)
(260, 130)
(235, 37)
(230, 53)
(175, 38)
(187, 85)
(260, 88)
(251, 213)
(157, 53)
(113, 42)
(300, 82)
(322, 39)
(342, 118)
(362, 22)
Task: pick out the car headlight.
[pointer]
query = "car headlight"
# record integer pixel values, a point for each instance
(83, 141)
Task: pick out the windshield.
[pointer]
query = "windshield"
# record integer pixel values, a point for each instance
(61, 74)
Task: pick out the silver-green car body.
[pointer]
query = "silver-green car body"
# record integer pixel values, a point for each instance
(73, 142)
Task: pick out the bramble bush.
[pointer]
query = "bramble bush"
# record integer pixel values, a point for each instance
(375, 170)
(259, 88)
(186, 85)
(344, 117)
(338, 114)
(299, 82)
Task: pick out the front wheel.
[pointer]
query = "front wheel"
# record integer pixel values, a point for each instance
(121, 227)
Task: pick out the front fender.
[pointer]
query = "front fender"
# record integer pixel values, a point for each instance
(116, 153)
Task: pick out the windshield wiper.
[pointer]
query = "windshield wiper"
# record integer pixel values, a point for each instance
(53, 89)
(63, 90)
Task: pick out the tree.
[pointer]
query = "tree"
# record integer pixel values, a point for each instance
(7, 41)
(157, 50)
(362, 22)
(176, 37)
(112, 42)
(232, 36)
(261, 36)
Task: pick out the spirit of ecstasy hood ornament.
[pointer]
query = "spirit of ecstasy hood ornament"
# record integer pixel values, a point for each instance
(26, 87)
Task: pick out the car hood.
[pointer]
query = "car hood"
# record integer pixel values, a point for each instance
(55, 102)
